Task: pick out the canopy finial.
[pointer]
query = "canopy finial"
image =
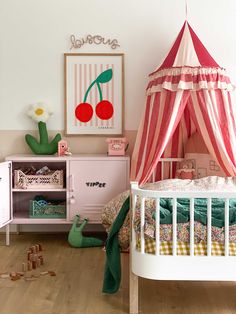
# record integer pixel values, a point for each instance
(186, 10)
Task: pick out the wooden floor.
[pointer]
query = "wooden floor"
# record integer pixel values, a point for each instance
(78, 283)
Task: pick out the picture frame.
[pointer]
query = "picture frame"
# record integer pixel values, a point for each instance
(94, 93)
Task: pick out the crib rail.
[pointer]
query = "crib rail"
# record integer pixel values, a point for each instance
(167, 163)
(174, 195)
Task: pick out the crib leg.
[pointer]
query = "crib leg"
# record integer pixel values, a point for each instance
(133, 293)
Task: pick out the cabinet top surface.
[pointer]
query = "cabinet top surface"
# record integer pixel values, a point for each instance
(30, 157)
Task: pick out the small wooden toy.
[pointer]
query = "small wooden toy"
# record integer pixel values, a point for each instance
(24, 267)
(29, 265)
(29, 272)
(5, 275)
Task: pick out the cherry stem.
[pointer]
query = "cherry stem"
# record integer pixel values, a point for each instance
(86, 94)
(88, 90)
(100, 91)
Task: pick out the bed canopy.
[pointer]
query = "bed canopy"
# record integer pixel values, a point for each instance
(188, 92)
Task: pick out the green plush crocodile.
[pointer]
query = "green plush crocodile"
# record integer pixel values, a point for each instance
(76, 238)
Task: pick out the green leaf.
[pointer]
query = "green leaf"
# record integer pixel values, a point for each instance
(105, 76)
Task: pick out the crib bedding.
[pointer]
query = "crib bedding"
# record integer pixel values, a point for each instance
(183, 248)
(200, 229)
(183, 213)
(109, 214)
(183, 232)
(111, 210)
(211, 183)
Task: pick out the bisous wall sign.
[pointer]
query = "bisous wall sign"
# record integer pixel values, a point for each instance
(94, 94)
(76, 43)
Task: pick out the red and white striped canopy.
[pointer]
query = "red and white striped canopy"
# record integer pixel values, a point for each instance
(188, 92)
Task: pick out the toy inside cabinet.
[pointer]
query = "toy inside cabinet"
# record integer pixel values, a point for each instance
(117, 146)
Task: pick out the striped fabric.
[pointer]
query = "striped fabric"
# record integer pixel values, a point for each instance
(188, 48)
(189, 78)
(180, 100)
(183, 248)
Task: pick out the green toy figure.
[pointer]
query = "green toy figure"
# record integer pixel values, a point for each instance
(76, 238)
(41, 114)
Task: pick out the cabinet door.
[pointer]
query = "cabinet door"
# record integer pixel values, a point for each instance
(5, 193)
(93, 183)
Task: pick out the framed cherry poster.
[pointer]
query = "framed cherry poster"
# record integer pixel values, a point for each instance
(94, 94)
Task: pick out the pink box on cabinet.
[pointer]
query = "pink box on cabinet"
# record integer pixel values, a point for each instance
(62, 148)
(116, 146)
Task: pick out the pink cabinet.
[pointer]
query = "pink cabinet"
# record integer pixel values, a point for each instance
(89, 182)
(93, 182)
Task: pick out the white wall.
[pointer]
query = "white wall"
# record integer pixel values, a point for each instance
(34, 34)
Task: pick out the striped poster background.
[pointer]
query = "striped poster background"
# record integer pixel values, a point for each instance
(84, 75)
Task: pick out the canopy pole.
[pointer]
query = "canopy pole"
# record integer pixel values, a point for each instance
(186, 10)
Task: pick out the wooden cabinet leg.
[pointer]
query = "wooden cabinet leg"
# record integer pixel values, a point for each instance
(133, 293)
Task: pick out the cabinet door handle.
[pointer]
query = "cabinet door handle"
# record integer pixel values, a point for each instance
(72, 182)
(72, 200)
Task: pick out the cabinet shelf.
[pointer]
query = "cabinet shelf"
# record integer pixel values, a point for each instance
(35, 221)
(22, 217)
(39, 190)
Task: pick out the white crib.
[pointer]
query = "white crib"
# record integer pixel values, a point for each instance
(178, 267)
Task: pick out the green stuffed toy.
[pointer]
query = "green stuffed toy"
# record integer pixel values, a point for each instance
(40, 114)
(76, 238)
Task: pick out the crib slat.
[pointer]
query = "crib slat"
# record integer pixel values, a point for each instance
(162, 170)
(191, 226)
(134, 201)
(209, 202)
(171, 170)
(153, 176)
(142, 209)
(157, 226)
(226, 227)
(174, 225)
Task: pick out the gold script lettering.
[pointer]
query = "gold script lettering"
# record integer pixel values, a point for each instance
(89, 39)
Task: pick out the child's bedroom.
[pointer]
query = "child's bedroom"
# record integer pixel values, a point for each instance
(117, 159)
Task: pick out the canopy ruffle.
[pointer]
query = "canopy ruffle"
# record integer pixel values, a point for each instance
(189, 78)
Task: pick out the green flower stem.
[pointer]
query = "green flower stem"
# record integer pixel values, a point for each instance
(43, 133)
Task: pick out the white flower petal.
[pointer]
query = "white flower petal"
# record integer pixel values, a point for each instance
(46, 112)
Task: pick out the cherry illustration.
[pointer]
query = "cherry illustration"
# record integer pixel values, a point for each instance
(104, 110)
(84, 112)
